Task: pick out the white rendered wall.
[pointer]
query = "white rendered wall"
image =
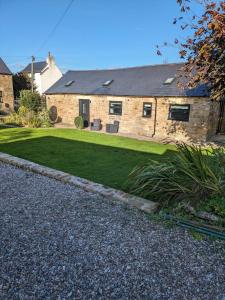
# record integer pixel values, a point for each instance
(49, 76)
(38, 82)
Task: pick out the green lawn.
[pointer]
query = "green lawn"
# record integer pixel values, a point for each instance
(98, 157)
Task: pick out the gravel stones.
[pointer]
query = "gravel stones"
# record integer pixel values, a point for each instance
(61, 242)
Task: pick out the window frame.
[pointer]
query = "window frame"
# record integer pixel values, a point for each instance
(107, 83)
(144, 103)
(172, 119)
(117, 102)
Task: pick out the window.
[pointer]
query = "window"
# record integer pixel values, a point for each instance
(84, 108)
(115, 108)
(107, 83)
(147, 110)
(179, 112)
(69, 83)
(169, 81)
(1, 97)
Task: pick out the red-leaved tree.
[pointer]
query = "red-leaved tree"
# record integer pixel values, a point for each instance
(204, 50)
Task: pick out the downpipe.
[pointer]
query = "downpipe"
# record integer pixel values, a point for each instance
(155, 117)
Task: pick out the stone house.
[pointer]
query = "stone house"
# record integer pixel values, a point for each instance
(46, 73)
(145, 100)
(6, 89)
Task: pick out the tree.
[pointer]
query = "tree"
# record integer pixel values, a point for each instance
(204, 50)
(30, 100)
(20, 82)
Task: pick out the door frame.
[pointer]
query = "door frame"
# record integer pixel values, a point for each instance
(86, 116)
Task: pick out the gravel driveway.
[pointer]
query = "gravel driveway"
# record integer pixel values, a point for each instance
(59, 242)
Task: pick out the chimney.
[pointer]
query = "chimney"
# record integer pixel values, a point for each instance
(50, 59)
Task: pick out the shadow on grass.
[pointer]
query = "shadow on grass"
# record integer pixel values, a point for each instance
(9, 134)
(103, 164)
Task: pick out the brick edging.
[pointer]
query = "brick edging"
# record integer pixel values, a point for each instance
(134, 201)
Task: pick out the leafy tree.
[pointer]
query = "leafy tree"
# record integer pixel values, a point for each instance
(204, 50)
(20, 82)
(30, 100)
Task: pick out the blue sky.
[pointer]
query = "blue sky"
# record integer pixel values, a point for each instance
(94, 34)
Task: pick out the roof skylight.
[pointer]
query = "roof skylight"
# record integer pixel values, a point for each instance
(69, 83)
(107, 83)
(169, 80)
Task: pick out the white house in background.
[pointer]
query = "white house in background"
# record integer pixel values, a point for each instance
(46, 73)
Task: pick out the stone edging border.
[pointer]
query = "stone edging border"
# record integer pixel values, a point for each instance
(133, 201)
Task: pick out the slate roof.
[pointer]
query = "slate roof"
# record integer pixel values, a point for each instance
(3, 68)
(38, 67)
(135, 81)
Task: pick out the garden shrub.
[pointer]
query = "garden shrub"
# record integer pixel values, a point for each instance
(79, 122)
(31, 112)
(22, 111)
(44, 118)
(34, 122)
(27, 119)
(13, 119)
(30, 118)
(215, 205)
(192, 175)
(30, 100)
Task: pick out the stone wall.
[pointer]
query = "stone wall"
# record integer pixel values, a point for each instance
(6, 87)
(67, 106)
(196, 129)
(201, 123)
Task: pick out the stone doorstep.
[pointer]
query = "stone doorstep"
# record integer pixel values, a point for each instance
(133, 201)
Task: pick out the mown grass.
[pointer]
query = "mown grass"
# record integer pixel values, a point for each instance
(98, 157)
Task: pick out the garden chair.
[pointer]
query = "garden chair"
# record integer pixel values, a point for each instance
(96, 125)
(113, 128)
